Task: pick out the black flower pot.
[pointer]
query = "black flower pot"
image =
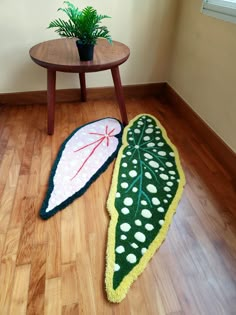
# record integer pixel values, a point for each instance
(85, 51)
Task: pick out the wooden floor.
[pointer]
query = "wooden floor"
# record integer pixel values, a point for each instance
(57, 266)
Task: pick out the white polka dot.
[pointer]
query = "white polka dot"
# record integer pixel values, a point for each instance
(117, 195)
(172, 177)
(169, 164)
(169, 196)
(125, 227)
(146, 213)
(136, 131)
(171, 154)
(169, 184)
(149, 227)
(120, 249)
(129, 153)
(172, 172)
(123, 175)
(140, 237)
(123, 237)
(134, 245)
(138, 222)
(134, 161)
(162, 153)
(124, 185)
(131, 258)
(128, 201)
(140, 122)
(133, 173)
(151, 188)
(155, 201)
(154, 164)
(151, 144)
(146, 138)
(136, 146)
(117, 267)
(143, 250)
(157, 138)
(149, 130)
(161, 222)
(134, 189)
(160, 209)
(148, 175)
(149, 120)
(148, 156)
(125, 210)
(124, 164)
(162, 169)
(160, 144)
(167, 189)
(164, 176)
(143, 202)
(165, 200)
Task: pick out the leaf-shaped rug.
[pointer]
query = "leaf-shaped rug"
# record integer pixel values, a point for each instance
(146, 187)
(83, 156)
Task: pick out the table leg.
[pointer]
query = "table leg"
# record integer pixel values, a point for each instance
(51, 99)
(119, 94)
(82, 87)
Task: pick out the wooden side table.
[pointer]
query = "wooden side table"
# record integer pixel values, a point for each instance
(62, 55)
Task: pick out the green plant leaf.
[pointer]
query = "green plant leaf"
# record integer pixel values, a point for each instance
(84, 25)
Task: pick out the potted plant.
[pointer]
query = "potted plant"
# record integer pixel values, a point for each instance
(84, 25)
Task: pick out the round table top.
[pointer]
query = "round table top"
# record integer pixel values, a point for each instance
(62, 55)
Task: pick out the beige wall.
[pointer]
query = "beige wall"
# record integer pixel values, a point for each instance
(145, 26)
(203, 69)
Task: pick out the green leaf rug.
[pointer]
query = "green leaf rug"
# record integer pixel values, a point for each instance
(146, 187)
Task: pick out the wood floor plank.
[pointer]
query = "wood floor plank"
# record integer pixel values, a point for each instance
(169, 298)
(85, 285)
(37, 280)
(28, 153)
(202, 295)
(6, 204)
(14, 171)
(2, 242)
(20, 290)
(54, 247)
(26, 240)
(17, 214)
(12, 241)
(45, 165)
(53, 297)
(5, 165)
(70, 294)
(71, 309)
(68, 241)
(41, 230)
(33, 182)
(7, 269)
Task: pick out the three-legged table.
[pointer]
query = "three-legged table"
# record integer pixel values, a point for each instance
(62, 55)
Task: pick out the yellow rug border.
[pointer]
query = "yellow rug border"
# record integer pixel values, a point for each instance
(120, 292)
